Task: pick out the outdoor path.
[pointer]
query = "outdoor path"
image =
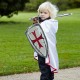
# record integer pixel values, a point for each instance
(64, 74)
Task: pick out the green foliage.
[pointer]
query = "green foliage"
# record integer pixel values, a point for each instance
(8, 7)
(30, 7)
(66, 4)
(33, 5)
(62, 4)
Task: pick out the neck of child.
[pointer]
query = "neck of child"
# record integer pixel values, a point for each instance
(40, 20)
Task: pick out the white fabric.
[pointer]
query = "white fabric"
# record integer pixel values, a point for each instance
(50, 28)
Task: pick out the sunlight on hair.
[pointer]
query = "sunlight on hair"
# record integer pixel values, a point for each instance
(50, 7)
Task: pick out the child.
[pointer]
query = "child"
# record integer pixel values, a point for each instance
(49, 65)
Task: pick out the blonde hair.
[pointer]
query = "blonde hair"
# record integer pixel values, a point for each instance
(50, 7)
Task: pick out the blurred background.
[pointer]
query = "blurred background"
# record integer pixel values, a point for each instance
(10, 7)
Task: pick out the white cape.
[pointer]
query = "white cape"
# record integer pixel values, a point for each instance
(50, 28)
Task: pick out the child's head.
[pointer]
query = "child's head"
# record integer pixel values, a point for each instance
(49, 9)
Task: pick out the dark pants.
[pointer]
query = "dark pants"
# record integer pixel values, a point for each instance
(46, 73)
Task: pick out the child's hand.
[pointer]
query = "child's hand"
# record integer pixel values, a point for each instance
(35, 20)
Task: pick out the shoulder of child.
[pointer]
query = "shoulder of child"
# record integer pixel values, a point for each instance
(50, 21)
(52, 24)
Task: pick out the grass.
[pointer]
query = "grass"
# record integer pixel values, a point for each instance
(16, 53)
(68, 39)
(21, 17)
(68, 47)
